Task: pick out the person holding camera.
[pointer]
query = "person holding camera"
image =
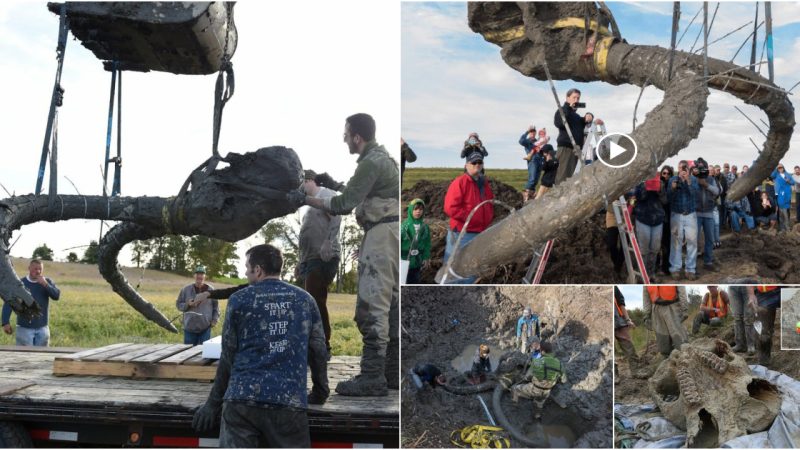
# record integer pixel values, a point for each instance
(682, 191)
(649, 214)
(566, 152)
(706, 204)
(783, 194)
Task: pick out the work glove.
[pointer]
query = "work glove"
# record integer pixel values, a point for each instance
(206, 417)
(327, 181)
(296, 198)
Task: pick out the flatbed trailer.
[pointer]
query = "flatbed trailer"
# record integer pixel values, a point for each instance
(46, 410)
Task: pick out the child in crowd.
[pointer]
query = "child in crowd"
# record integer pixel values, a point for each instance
(415, 240)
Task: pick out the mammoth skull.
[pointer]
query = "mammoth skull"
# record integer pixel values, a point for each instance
(709, 391)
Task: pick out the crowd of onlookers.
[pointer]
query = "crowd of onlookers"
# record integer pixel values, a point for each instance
(675, 211)
(673, 208)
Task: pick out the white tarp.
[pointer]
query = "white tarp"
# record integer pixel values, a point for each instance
(784, 432)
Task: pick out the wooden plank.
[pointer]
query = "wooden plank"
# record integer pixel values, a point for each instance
(163, 353)
(179, 358)
(30, 349)
(134, 351)
(198, 360)
(94, 351)
(134, 369)
(13, 386)
(109, 353)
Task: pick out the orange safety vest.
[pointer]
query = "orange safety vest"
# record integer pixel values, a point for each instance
(666, 293)
(722, 306)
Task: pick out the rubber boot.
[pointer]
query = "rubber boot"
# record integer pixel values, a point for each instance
(764, 351)
(752, 338)
(392, 365)
(698, 320)
(738, 331)
(364, 385)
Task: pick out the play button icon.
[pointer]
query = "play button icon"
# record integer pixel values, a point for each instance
(616, 150)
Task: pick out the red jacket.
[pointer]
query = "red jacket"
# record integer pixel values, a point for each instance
(462, 196)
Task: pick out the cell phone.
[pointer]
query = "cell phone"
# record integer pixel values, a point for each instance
(580, 105)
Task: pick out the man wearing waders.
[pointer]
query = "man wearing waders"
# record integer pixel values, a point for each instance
(372, 191)
(665, 307)
(542, 376)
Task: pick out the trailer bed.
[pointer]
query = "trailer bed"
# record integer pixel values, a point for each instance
(30, 393)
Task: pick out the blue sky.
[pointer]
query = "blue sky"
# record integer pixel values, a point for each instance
(454, 82)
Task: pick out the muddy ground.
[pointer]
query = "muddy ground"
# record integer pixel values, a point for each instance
(634, 391)
(790, 317)
(580, 256)
(438, 324)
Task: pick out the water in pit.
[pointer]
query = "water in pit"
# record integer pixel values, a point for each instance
(552, 436)
(463, 362)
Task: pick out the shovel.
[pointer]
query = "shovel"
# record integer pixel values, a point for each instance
(756, 322)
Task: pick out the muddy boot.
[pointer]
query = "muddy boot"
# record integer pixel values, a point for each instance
(764, 350)
(392, 370)
(738, 331)
(364, 385)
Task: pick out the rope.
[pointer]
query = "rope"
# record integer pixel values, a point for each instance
(449, 262)
(225, 84)
(479, 436)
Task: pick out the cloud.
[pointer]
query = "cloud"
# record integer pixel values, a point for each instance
(462, 85)
(298, 76)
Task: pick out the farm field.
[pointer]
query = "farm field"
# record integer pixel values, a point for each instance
(89, 314)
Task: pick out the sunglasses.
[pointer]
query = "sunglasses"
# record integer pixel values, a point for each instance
(477, 163)
(665, 173)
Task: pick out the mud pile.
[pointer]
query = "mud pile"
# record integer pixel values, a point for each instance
(580, 256)
(790, 316)
(440, 324)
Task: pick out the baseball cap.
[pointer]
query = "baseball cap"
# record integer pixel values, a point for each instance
(200, 269)
(475, 156)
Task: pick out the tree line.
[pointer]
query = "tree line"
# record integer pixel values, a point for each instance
(181, 254)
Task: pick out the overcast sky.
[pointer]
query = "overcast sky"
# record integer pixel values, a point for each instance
(454, 82)
(300, 71)
(633, 293)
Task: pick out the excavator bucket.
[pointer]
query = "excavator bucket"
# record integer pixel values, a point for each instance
(178, 37)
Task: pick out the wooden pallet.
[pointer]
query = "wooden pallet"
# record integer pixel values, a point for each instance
(162, 361)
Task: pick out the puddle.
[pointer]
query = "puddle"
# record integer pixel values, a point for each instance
(463, 362)
(553, 436)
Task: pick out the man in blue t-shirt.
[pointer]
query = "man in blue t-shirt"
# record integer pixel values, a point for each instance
(35, 330)
(272, 334)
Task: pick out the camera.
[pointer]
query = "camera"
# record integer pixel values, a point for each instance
(580, 105)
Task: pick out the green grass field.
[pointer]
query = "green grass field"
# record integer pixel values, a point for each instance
(513, 177)
(89, 314)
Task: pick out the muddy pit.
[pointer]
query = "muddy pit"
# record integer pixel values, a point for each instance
(790, 316)
(444, 325)
(579, 255)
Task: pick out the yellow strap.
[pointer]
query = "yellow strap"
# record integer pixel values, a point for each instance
(479, 436)
(579, 23)
(601, 56)
(517, 32)
(502, 36)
